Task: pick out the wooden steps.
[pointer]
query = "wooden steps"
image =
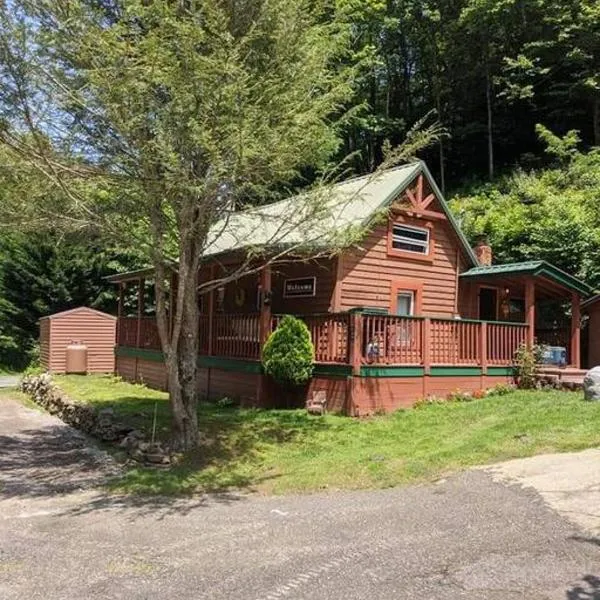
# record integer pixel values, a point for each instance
(567, 377)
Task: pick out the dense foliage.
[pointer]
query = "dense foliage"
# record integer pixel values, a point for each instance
(288, 353)
(551, 214)
(492, 69)
(42, 274)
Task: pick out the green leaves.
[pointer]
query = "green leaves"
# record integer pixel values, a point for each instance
(551, 214)
(288, 353)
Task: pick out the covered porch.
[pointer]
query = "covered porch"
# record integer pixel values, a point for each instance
(359, 341)
(539, 295)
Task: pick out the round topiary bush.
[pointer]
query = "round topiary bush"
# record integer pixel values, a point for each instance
(288, 353)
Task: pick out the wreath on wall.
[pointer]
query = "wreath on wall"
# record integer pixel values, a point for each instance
(240, 297)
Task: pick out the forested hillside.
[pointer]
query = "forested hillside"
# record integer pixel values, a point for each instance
(489, 71)
(492, 69)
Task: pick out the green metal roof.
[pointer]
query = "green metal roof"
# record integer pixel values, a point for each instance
(532, 267)
(353, 203)
(297, 222)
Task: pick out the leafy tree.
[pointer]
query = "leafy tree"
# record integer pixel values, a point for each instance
(551, 214)
(40, 274)
(558, 68)
(288, 353)
(155, 121)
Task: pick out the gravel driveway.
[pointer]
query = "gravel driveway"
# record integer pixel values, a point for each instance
(471, 536)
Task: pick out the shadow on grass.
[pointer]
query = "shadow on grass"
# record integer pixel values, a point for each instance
(231, 441)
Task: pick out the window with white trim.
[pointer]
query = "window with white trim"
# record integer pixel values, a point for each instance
(410, 239)
(405, 304)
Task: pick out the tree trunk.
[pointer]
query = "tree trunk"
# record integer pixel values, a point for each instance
(488, 97)
(180, 341)
(183, 368)
(596, 118)
(183, 393)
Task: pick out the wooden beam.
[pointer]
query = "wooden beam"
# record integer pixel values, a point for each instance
(411, 197)
(356, 333)
(420, 190)
(140, 311)
(265, 306)
(575, 331)
(530, 311)
(427, 201)
(425, 214)
(211, 312)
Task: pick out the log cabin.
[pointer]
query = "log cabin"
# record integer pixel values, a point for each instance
(408, 312)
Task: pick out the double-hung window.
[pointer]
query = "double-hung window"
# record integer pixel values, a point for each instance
(405, 303)
(408, 238)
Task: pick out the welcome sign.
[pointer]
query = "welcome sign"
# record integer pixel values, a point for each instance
(301, 287)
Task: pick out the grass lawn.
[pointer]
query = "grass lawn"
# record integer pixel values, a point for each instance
(279, 451)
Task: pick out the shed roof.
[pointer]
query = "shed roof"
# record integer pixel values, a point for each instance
(534, 268)
(78, 310)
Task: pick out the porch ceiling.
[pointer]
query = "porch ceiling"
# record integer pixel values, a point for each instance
(551, 282)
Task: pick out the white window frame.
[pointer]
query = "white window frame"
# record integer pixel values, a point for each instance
(408, 240)
(411, 295)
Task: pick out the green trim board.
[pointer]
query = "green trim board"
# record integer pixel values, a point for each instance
(439, 371)
(129, 352)
(254, 366)
(230, 364)
(383, 371)
(499, 371)
(334, 370)
(456, 371)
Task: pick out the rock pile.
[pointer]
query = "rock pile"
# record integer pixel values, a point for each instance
(101, 424)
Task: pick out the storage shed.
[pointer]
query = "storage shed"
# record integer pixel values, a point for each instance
(92, 328)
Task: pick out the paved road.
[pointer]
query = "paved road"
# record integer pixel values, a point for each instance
(468, 537)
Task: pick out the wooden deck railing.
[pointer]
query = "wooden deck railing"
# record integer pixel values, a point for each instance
(127, 328)
(330, 335)
(426, 341)
(236, 336)
(337, 337)
(502, 341)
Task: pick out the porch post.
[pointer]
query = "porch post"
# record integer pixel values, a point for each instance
(120, 311)
(575, 331)
(355, 342)
(264, 321)
(530, 311)
(427, 345)
(264, 329)
(483, 354)
(140, 311)
(211, 310)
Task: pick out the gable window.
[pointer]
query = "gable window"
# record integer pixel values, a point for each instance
(408, 238)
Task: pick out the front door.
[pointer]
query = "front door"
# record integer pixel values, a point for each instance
(488, 303)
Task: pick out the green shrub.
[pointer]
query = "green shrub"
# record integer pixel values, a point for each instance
(288, 353)
(526, 365)
(500, 390)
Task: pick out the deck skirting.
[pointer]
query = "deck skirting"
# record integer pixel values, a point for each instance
(378, 388)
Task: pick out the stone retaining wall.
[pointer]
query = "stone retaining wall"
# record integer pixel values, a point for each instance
(100, 424)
